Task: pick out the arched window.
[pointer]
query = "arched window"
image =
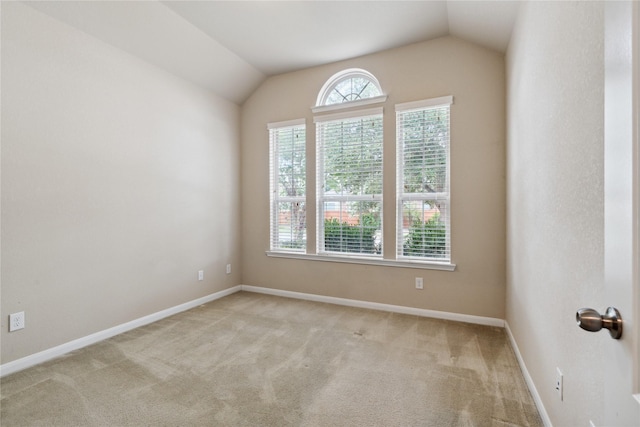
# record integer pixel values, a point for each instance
(349, 165)
(349, 85)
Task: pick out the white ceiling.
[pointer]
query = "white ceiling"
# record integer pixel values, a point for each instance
(230, 47)
(277, 37)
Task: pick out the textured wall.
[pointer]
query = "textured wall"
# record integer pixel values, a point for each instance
(119, 182)
(447, 66)
(555, 199)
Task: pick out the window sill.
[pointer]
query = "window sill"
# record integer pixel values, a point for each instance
(427, 265)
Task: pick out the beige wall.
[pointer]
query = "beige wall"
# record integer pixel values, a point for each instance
(119, 182)
(555, 200)
(446, 66)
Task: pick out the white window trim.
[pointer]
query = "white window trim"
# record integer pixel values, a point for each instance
(320, 199)
(354, 109)
(353, 104)
(330, 84)
(332, 257)
(425, 103)
(273, 178)
(349, 115)
(286, 124)
(443, 101)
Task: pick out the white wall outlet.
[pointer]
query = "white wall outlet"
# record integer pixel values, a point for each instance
(201, 275)
(559, 383)
(228, 268)
(419, 283)
(16, 321)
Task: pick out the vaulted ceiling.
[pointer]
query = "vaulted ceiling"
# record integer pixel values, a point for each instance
(230, 47)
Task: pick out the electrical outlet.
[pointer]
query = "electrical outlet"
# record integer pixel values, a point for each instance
(559, 383)
(16, 321)
(419, 283)
(228, 268)
(201, 275)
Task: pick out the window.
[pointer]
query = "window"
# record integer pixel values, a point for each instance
(349, 85)
(349, 179)
(288, 186)
(423, 226)
(349, 88)
(349, 225)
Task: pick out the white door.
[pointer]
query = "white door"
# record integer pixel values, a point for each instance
(622, 288)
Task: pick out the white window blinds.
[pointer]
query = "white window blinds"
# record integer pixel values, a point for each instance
(287, 147)
(349, 196)
(423, 220)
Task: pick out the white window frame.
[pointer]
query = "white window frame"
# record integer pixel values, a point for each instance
(354, 109)
(338, 78)
(275, 199)
(321, 198)
(402, 197)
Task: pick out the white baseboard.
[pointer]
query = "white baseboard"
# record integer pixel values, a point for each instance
(527, 377)
(46, 355)
(489, 321)
(43, 356)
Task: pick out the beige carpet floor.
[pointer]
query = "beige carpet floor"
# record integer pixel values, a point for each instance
(256, 360)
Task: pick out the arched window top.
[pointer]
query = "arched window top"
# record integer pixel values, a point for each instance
(353, 84)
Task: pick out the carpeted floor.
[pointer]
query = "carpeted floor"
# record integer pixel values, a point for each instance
(256, 360)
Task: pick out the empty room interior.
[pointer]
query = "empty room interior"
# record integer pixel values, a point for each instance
(319, 213)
